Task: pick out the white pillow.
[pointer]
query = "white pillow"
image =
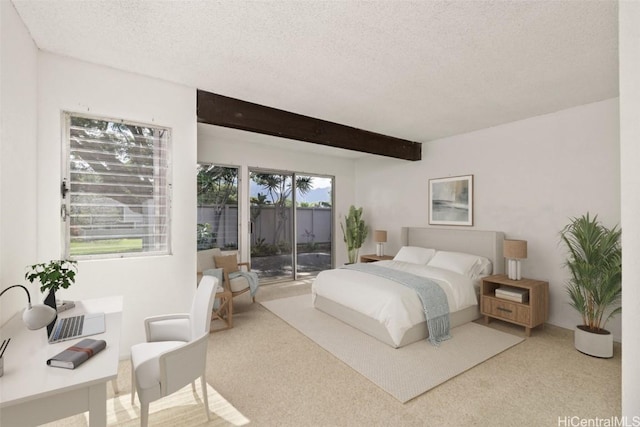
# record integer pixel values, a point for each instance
(414, 254)
(485, 267)
(461, 263)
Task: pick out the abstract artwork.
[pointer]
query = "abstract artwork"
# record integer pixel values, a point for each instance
(451, 200)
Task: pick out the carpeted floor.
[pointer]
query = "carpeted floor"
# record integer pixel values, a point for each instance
(182, 408)
(275, 376)
(405, 372)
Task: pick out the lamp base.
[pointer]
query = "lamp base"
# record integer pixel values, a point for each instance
(380, 249)
(514, 270)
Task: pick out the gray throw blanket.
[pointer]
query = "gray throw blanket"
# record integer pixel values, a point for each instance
(251, 277)
(434, 300)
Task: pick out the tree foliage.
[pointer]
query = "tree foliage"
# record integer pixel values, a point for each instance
(217, 186)
(278, 188)
(100, 148)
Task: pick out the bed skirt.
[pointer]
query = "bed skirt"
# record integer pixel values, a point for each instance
(377, 330)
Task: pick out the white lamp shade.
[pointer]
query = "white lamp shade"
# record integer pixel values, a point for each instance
(38, 316)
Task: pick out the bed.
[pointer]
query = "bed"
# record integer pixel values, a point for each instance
(393, 313)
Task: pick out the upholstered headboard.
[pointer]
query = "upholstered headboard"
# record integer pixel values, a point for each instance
(476, 242)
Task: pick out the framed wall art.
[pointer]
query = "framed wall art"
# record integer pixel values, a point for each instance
(451, 200)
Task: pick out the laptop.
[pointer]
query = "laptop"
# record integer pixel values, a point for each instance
(68, 328)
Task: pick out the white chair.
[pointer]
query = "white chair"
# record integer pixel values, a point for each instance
(175, 353)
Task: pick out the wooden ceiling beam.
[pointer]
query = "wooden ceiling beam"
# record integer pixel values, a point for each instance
(228, 112)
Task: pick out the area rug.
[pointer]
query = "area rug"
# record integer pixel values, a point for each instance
(182, 408)
(406, 372)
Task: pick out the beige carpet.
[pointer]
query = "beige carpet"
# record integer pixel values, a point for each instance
(182, 408)
(406, 372)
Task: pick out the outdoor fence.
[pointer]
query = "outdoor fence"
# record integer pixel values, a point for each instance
(313, 225)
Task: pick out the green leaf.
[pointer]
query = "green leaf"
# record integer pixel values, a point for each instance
(53, 275)
(354, 230)
(594, 261)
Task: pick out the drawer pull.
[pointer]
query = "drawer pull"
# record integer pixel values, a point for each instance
(506, 310)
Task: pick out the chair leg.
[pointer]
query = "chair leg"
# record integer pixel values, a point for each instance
(133, 384)
(144, 414)
(204, 396)
(224, 311)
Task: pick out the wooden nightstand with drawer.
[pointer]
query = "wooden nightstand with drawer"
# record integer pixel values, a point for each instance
(374, 258)
(531, 312)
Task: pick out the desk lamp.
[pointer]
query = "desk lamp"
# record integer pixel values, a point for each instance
(36, 316)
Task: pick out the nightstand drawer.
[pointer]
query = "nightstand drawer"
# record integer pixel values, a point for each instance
(503, 309)
(510, 311)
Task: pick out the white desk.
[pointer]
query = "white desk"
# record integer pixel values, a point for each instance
(33, 393)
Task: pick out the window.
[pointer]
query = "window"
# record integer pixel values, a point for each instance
(116, 193)
(217, 207)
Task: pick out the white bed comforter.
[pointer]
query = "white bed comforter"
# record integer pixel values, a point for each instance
(394, 305)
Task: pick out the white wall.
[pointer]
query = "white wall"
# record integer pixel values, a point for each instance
(234, 148)
(530, 176)
(18, 124)
(530, 198)
(149, 285)
(630, 159)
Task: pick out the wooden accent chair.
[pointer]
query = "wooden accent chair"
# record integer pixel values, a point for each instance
(228, 262)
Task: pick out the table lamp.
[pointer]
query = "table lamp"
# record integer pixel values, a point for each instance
(36, 316)
(380, 237)
(514, 251)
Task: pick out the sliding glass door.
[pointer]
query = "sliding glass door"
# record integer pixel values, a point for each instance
(314, 224)
(291, 223)
(271, 210)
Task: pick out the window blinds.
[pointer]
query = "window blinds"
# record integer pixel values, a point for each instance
(119, 198)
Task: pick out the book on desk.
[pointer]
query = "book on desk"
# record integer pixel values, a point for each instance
(77, 354)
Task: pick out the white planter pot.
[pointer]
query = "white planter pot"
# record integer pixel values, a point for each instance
(598, 345)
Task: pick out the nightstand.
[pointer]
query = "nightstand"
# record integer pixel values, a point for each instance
(374, 257)
(529, 314)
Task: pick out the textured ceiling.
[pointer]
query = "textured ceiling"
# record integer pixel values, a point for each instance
(415, 70)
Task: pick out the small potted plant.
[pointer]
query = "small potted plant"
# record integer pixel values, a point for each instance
(595, 285)
(355, 232)
(52, 276)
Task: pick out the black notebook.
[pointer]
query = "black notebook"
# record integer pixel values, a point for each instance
(77, 354)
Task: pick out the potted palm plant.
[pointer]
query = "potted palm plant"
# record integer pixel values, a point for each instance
(595, 284)
(355, 232)
(52, 276)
